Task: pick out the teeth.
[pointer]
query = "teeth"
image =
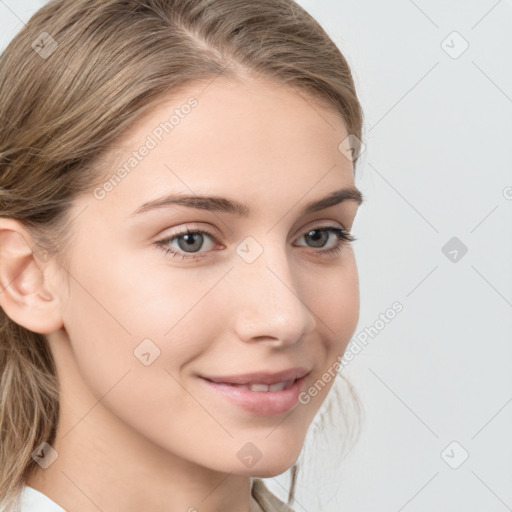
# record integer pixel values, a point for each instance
(258, 387)
(279, 386)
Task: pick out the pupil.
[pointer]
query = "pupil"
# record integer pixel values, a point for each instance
(189, 239)
(319, 235)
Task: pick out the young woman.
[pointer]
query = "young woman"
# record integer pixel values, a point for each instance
(177, 278)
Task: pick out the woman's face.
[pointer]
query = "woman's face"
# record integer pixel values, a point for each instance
(260, 292)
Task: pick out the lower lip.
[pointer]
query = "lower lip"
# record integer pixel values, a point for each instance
(262, 403)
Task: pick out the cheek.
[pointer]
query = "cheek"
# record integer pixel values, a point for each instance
(343, 318)
(149, 324)
(335, 299)
(106, 329)
(334, 296)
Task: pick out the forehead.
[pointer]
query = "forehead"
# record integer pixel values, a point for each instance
(248, 137)
(251, 112)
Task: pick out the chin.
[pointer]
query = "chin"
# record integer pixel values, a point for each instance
(268, 472)
(274, 463)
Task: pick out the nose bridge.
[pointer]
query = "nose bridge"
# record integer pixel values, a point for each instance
(269, 304)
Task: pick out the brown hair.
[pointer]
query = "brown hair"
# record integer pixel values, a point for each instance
(71, 82)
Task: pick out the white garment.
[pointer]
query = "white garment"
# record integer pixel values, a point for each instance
(32, 500)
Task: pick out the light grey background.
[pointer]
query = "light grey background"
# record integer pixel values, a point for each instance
(437, 165)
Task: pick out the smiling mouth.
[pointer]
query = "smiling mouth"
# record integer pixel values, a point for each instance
(262, 394)
(262, 380)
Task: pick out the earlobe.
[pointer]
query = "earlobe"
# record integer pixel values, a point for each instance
(24, 293)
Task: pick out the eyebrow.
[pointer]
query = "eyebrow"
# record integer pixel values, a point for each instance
(225, 205)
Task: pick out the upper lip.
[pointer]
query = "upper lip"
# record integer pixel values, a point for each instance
(267, 378)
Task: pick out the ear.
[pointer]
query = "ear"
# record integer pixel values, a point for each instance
(24, 293)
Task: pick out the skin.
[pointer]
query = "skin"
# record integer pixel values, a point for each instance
(135, 437)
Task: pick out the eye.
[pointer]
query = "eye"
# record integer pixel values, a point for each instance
(188, 241)
(191, 241)
(319, 235)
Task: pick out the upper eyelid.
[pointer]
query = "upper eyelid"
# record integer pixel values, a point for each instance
(310, 225)
(195, 229)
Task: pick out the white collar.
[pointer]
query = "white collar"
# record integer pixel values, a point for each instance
(32, 499)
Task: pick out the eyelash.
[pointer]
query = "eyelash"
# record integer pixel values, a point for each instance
(344, 238)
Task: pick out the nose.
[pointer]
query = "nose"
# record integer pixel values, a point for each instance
(269, 304)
